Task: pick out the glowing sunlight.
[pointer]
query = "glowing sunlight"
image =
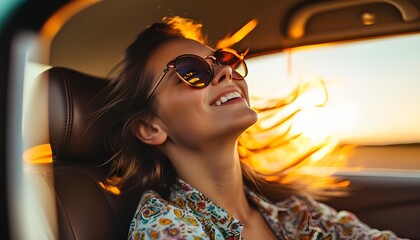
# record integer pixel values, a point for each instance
(372, 94)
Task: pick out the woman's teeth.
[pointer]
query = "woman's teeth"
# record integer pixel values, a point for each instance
(226, 98)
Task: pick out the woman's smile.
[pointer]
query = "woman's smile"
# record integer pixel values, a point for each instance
(228, 97)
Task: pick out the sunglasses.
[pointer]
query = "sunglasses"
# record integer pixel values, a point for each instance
(198, 73)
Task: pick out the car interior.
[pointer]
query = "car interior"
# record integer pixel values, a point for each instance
(78, 42)
(82, 203)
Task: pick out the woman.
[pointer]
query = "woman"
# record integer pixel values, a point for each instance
(178, 108)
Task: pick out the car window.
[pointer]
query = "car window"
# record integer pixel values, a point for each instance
(372, 88)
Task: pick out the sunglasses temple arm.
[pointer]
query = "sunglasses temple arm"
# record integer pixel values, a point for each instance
(245, 53)
(156, 85)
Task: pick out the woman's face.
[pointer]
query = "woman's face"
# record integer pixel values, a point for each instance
(190, 115)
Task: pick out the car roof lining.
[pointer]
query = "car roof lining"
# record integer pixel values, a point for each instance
(111, 25)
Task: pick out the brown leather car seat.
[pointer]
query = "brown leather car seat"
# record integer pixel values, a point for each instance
(85, 209)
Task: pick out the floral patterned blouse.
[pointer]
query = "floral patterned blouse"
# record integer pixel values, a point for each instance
(190, 215)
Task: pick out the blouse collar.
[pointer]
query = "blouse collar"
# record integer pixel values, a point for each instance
(188, 198)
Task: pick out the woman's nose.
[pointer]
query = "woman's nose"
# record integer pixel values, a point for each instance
(221, 73)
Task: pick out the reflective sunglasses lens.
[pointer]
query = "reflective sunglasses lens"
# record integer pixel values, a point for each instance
(238, 65)
(196, 72)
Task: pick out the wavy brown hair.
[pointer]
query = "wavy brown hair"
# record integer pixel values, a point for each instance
(125, 109)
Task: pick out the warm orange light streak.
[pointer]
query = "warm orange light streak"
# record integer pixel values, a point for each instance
(110, 185)
(40, 154)
(296, 33)
(228, 41)
(56, 21)
(110, 188)
(189, 28)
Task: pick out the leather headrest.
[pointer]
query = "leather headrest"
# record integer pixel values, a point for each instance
(73, 138)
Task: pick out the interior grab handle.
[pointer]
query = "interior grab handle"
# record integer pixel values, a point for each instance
(297, 24)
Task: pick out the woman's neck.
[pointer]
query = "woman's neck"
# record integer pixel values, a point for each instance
(216, 172)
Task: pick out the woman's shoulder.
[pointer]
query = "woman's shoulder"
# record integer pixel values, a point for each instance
(157, 218)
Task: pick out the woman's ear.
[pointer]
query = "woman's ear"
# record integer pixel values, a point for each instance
(150, 132)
